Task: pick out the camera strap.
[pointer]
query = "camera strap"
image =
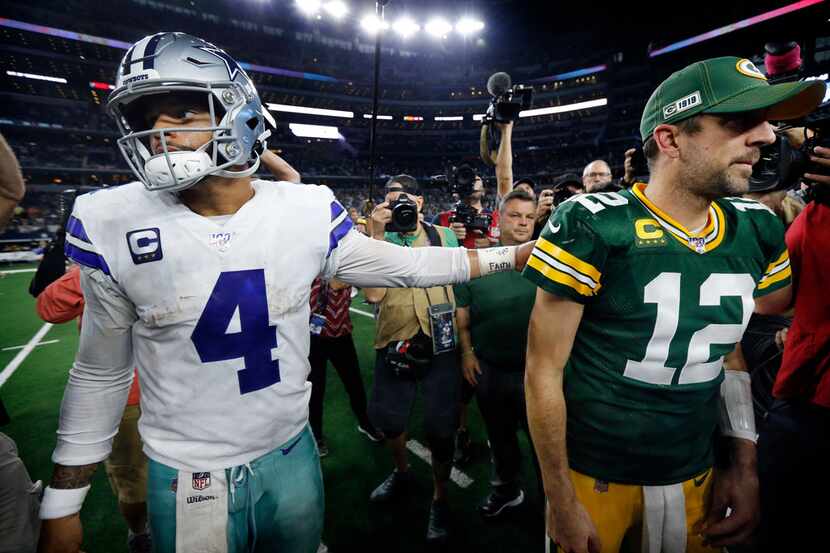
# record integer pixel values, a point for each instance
(441, 323)
(432, 234)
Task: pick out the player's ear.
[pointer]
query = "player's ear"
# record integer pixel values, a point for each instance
(666, 138)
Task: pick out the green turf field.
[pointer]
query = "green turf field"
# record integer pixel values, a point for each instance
(353, 468)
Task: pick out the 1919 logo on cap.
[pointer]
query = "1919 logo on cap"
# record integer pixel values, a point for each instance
(145, 245)
(681, 105)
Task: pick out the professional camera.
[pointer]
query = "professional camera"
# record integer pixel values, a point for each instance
(566, 186)
(404, 215)
(561, 194)
(508, 99)
(459, 180)
(471, 219)
(782, 165)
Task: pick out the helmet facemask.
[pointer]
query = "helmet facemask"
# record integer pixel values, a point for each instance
(227, 149)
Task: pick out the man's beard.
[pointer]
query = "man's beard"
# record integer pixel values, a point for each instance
(725, 185)
(713, 184)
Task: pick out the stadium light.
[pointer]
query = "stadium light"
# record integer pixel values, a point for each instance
(371, 24)
(311, 111)
(315, 131)
(467, 26)
(308, 7)
(449, 117)
(406, 27)
(438, 27)
(101, 86)
(562, 109)
(478, 116)
(336, 8)
(380, 117)
(36, 77)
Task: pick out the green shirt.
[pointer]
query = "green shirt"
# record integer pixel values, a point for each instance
(448, 236)
(500, 306)
(662, 308)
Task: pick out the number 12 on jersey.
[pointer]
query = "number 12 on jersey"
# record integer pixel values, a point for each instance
(664, 290)
(243, 291)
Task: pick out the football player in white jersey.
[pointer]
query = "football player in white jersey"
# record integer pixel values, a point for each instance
(200, 276)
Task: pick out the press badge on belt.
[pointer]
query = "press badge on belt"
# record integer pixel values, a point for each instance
(442, 327)
(316, 324)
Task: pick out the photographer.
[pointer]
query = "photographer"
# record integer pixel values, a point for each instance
(564, 187)
(793, 447)
(331, 341)
(474, 225)
(415, 346)
(493, 315)
(596, 177)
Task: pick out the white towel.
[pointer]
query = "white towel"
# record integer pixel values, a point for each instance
(664, 519)
(202, 512)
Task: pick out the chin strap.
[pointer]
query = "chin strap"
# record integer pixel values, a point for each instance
(244, 173)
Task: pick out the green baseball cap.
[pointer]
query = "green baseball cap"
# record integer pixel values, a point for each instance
(726, 85)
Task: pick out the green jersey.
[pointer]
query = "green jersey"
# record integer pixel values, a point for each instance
(663, 306)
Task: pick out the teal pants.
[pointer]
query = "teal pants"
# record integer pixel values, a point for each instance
(276, 505)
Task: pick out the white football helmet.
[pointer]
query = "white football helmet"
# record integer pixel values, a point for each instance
(167, 63)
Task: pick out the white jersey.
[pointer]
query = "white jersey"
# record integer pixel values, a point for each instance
(221, 333)
(215, 317)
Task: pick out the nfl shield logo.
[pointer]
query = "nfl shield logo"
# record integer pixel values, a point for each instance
(699, 244)
(201, 480)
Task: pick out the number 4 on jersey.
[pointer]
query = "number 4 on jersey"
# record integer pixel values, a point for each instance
(245, 291)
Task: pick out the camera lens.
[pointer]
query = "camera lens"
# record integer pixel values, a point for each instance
(405, 216)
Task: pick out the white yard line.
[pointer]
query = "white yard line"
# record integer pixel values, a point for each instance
(10, 348)
(24, 353)
(424, 454)
(364, 313)
(13, 271)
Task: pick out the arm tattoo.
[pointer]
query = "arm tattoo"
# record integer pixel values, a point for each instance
(70, 478)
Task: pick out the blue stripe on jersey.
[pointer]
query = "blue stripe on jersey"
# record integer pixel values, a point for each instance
(76, 228)
(338, 233)
(336, 210)
(85, 258)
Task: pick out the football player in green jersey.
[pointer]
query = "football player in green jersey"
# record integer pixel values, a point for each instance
(641, 294)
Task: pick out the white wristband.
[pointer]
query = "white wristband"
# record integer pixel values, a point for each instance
(496, 260)
(737, 417)
(61, 503)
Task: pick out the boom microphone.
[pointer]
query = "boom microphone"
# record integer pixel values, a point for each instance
(498, 83)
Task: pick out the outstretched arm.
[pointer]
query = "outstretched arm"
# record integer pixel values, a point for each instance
(367, 263)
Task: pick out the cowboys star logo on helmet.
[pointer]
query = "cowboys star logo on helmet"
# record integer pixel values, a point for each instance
(230, 63)
(178, 63)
